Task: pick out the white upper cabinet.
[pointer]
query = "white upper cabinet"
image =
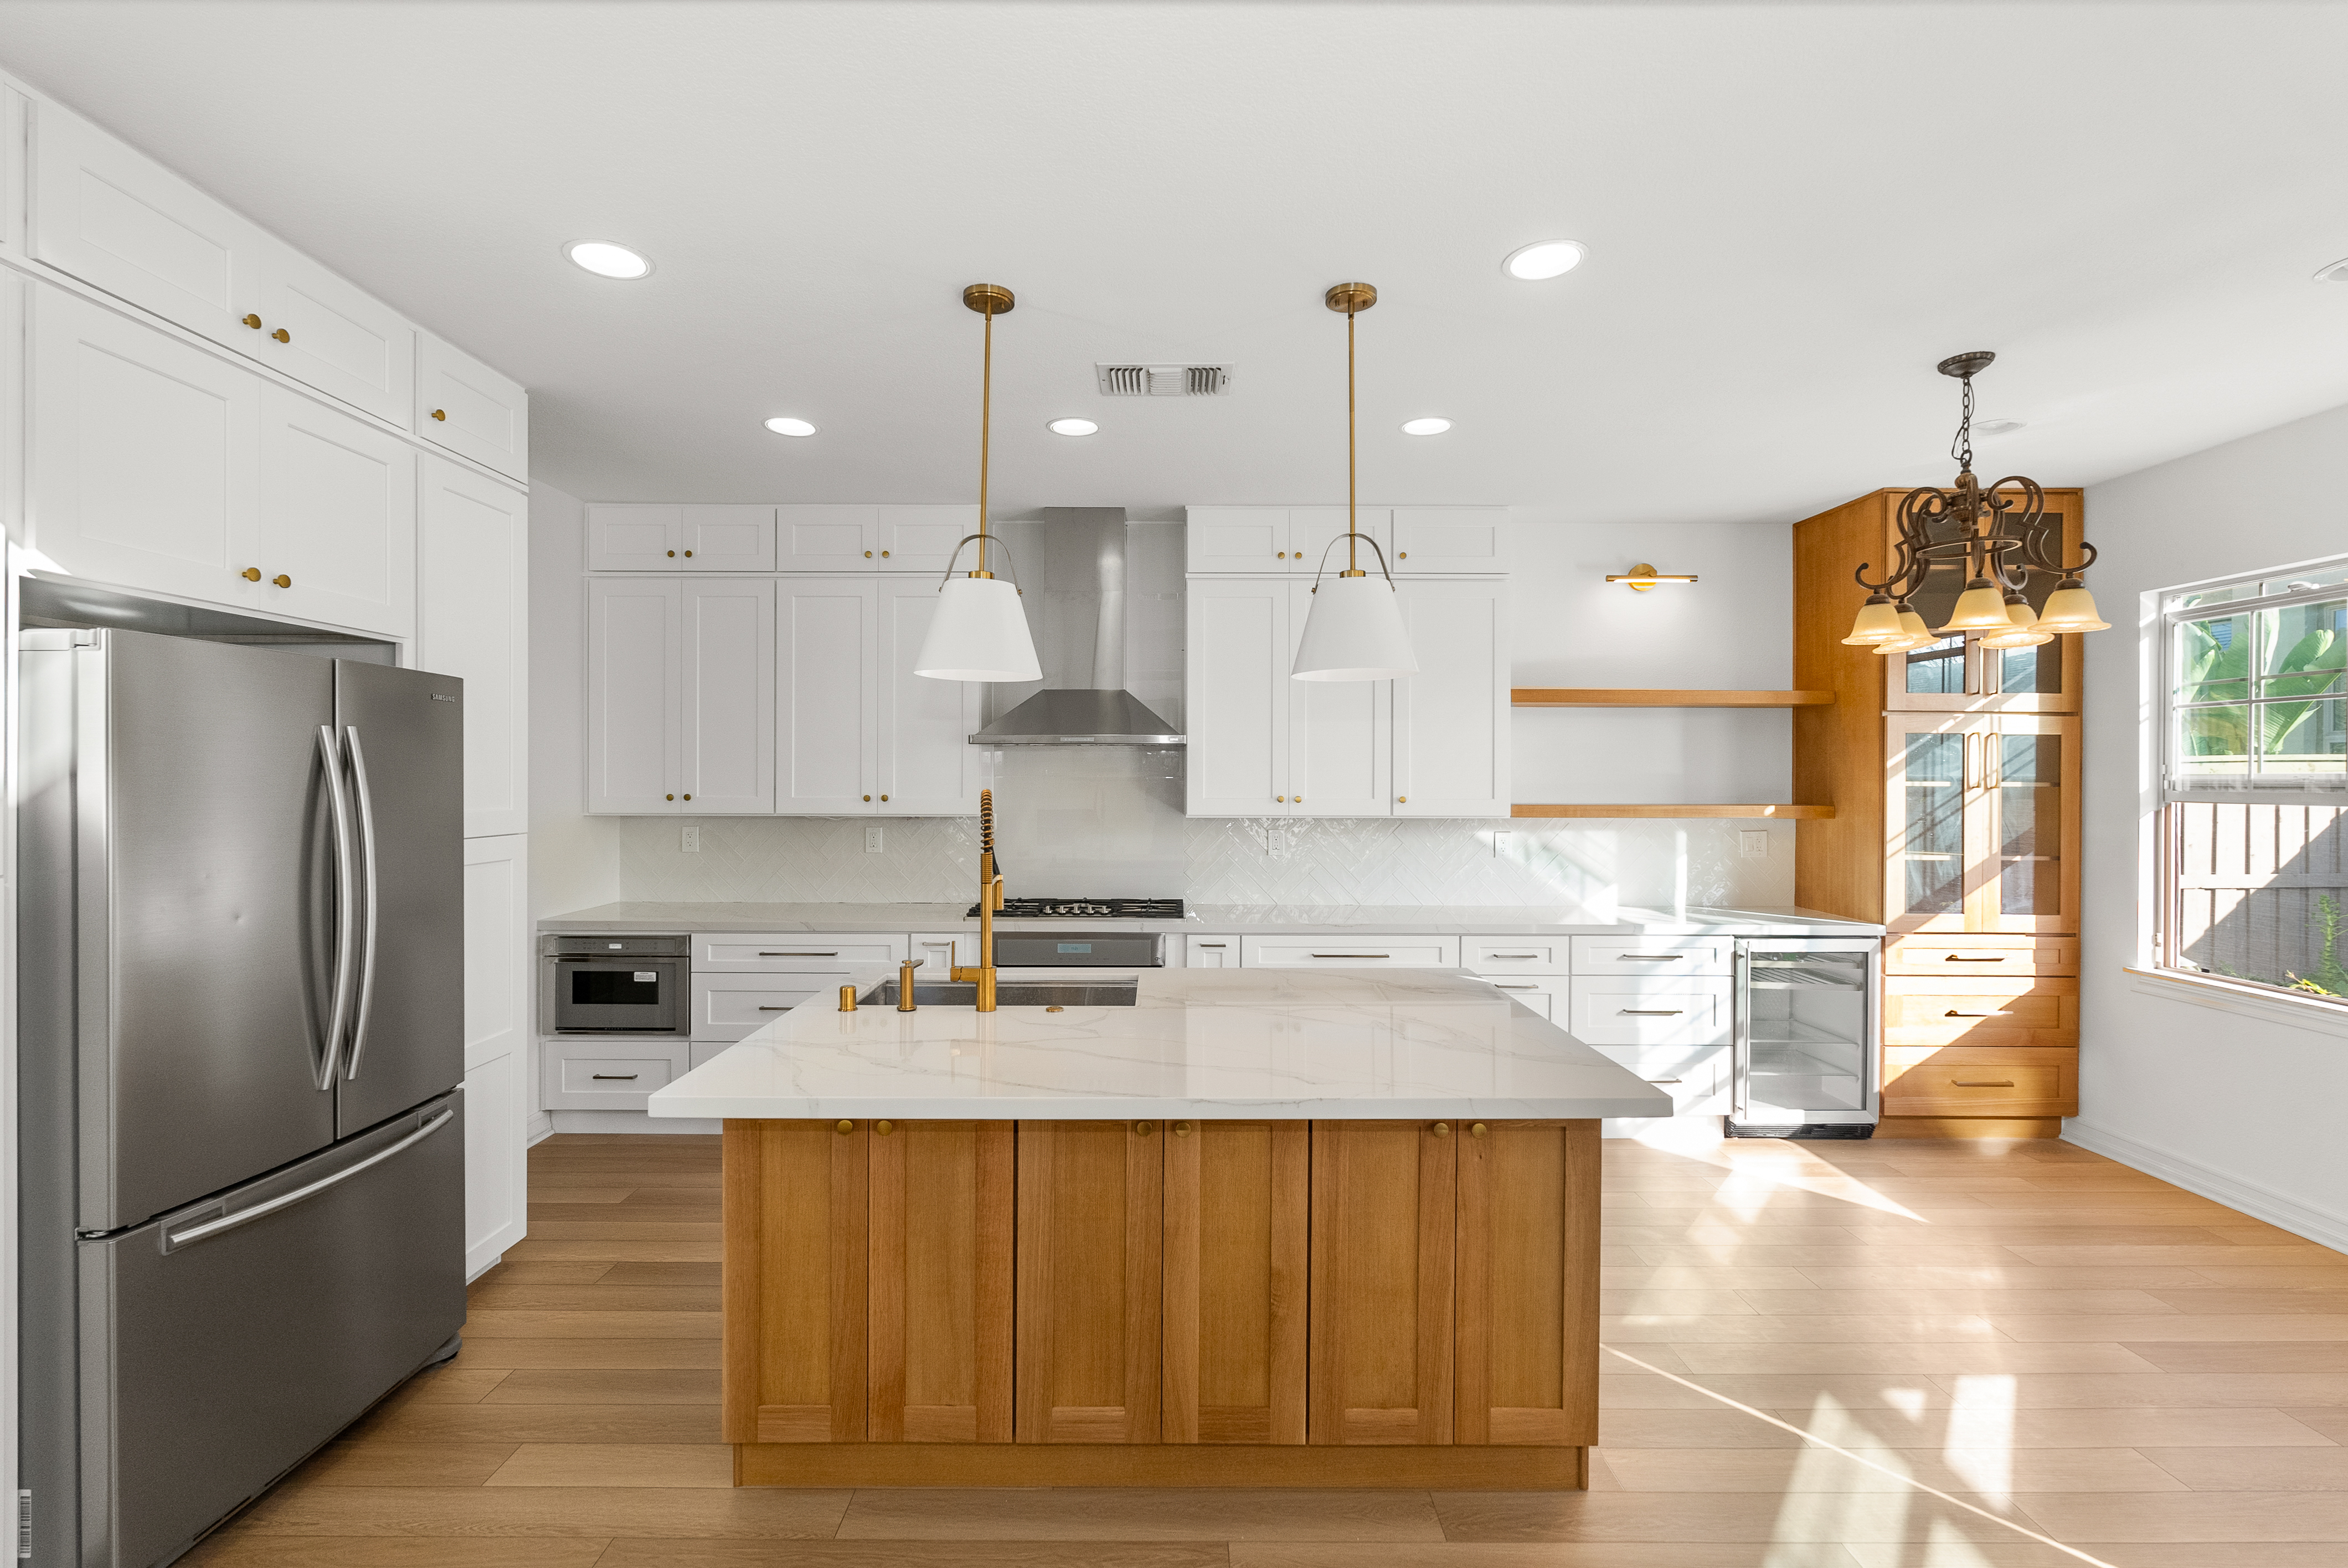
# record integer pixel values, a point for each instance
(120, 221)
(924, 762)
(145, 454)
(1340, 735)
(469, 408)
(335, 536)
(1316, 535)
(725, 538)
(922, 538)
(635, 729)
(1238, 538)
(321, 331)
(1451, 718)
(1238, 698)
(15, 126)
(634, 537)
(827, 685)
(472, 621)
(1449, 540)
(828, 538)
(728, 702)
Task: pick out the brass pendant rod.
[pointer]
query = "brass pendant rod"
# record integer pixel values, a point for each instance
(985, 430)
(1351, 549)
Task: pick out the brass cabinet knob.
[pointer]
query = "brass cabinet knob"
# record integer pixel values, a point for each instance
(1403, 798)
(884, 1128)
(281, 580)
(688, 794)
(868, 797)
(1442, 1129)
(1141, 1129)
(1281, 798)
(1299, 799)
(884, 798)
(252, 322)
(672, 555)
(441, 414)
(848, 1126)
(868, 554)
(688, 555)
(1181, 1129)
(884, 555)
(1402, 554)
(250, 574)
(1477, 1130)
(1282, 555)
(668, 797)
(282, 335)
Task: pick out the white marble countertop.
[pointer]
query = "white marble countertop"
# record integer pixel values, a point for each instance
(1300, 919)
(1199, 1043)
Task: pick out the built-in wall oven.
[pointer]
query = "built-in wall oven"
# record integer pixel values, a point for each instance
(616, 985)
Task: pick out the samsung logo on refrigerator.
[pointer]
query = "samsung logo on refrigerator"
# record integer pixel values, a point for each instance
(438, 698)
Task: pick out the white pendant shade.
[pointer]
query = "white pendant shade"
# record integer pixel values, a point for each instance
(1354, 631)
(979, 633)
(2071, 609)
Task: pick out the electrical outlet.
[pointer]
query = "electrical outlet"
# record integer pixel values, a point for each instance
(872, 839)
(1501, 839)
(692, 838)
(1753, 843)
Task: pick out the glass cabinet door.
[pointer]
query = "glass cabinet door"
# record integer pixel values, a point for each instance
(2028, 800)
(1927, 771)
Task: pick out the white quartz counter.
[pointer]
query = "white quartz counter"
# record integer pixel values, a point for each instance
(1300, 919)
(1202, 1044)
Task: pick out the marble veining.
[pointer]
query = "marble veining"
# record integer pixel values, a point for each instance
(652, 917)
(1360, 1045)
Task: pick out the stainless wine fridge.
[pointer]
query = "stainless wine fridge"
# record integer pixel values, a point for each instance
(1804, 1059)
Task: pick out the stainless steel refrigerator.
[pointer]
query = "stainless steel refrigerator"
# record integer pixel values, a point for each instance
(240, 1036)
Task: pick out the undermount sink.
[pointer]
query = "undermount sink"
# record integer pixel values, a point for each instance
(1010, 994)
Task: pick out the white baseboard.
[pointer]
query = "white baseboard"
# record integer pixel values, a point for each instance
(632, 1121)
(2260, 1203)
(537, 1129)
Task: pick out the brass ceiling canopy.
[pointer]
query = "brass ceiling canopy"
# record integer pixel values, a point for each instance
(1350, 298)
(989, 300)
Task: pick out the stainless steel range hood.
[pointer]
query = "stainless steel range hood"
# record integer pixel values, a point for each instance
(1072, 567)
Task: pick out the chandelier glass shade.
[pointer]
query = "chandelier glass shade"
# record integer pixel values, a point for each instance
(1998, 535)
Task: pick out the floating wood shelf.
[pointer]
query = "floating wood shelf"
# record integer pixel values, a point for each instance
(1660, 697)
(1782, 813)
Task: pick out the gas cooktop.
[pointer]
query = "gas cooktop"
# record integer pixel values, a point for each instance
(1087, 910)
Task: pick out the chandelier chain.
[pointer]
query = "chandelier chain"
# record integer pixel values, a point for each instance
(1961, 447)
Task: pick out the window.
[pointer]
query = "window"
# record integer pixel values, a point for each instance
(2254, 780)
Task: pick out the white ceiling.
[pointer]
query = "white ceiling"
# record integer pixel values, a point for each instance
(1793, 211)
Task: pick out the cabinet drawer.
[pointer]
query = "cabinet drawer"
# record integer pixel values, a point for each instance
(705, 1051)
(1516, 955)
(1920, 1013)
(734, 1006)
(1211, 952)
(1607, 1011)
(1374, 952)
(609, 1074)
(1972, 1081)
(791, 952)
(1695, 1077)
(1545, 994)
(1652, 956)
(1986, 958)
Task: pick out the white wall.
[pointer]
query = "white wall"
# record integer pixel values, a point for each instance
(2241, 1107)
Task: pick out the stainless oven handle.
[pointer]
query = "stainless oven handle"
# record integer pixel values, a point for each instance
(175, 1239)
(345, 899)
(373, 903)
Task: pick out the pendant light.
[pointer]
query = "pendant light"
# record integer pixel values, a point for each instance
(980, 632)
(1354, 631)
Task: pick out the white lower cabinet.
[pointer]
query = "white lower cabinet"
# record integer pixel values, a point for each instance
(705, 1051)
(1210, 952)
(735, 1007)
(940, 951)
(498, 968)
(1695, 1077)
(1351, 952)
(1610, 1012)
(1651, 958)
(1545, 994)
(790, 952)
(609, 1074)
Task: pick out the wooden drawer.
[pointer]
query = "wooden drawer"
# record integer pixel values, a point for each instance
(609, 1074)
(1516, 955)
(1370, 952)
(1918, 1012)
(1652, 957)
(735, 1007)
(1983, 957)
(1545, 994)
(1976, 1080)
(1609, 1011)
(787, 952)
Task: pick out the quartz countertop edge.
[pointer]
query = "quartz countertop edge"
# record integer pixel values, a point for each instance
(1207, 1045)
(652, 918)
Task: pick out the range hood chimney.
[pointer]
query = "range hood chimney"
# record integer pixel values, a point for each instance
(1076, 586)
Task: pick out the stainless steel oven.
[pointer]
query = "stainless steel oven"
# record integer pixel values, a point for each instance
(616, 985)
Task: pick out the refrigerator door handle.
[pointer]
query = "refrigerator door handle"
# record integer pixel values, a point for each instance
(346, 898)
(367, 881)
(174, 1240)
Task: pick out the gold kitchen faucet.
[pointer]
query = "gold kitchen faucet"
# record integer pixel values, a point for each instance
(989, 899)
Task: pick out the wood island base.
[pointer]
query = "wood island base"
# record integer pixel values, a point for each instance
(1183, 1303)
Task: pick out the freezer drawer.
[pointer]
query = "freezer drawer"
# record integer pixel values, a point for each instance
(212, 1360)
(735, 1007)
(1370, 952)
(1609, 1011)
(787, 952)
(1652, 957)
(609, 1074)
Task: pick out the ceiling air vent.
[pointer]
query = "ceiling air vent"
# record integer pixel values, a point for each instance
(1164, 379)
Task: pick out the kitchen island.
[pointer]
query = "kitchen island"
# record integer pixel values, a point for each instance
(1253, 1228)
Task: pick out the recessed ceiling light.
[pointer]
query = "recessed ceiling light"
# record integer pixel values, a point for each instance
(1997, 426)
(1072, 427)
(1428, 427)
(606, 259)
(1544, 258)
(786, 426)
(2335, 273)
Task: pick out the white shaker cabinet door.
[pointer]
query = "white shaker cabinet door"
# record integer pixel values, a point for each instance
(1449, 540)
(636, 726)
(16, 119)
(1451, 718)
(472, 621)
(1316, 540)
(729, 697)
(1237, 695)
(114, 217)
(828, 538)
(469, 408)
(337, 520)
(498, 964)
(922, 538)
(725, 538)
(329, 334)
(622, 538)
(145, 454)
(826, 684)
(1340, 735)
(1237, 538)
(926, 765)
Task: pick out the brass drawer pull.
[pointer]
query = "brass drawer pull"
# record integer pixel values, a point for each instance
(252, 322)
(616, 1077)
(1982, 1082)
(442, 415)
(281, 580)
(282, 335)
(1651, 1012)
(1954, 1012)
(250, 574)
(1955, 958)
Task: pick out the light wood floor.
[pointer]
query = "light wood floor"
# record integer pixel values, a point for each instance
(2097, 1357)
